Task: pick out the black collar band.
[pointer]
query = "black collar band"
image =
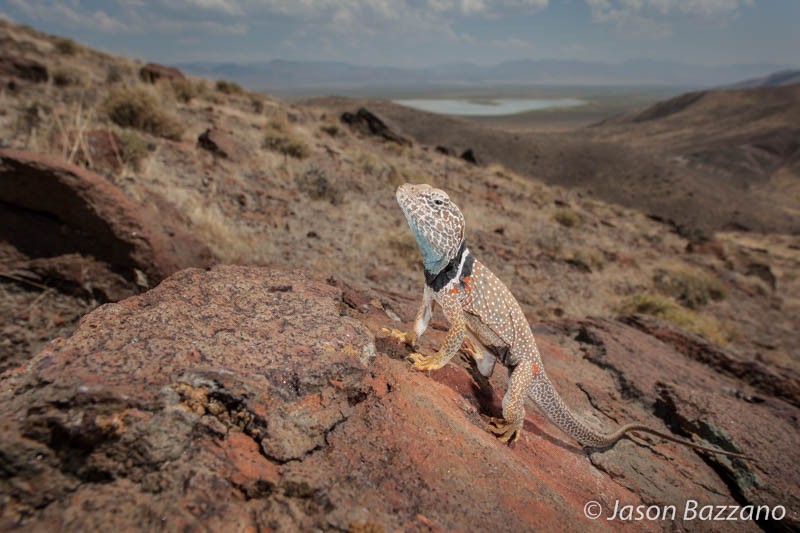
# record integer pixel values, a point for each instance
(447, 274)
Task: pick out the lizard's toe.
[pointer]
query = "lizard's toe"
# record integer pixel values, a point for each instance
(504, 430)
(424, 362)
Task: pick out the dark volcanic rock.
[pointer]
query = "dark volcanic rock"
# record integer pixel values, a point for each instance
(152, 72)
(23, 68)
(366, 122)
(469, 156)
(49, 208)
(220, 144)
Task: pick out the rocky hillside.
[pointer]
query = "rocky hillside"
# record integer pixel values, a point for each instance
(708, 161)
(267, 396)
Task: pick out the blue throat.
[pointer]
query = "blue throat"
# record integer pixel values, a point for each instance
(432, 260)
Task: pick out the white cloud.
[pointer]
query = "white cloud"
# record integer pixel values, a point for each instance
(652, 17)
(66, 14)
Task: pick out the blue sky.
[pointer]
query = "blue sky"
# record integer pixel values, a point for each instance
(417, 33)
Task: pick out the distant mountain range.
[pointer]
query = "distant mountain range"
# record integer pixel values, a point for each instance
(283, 76)
(777, 79)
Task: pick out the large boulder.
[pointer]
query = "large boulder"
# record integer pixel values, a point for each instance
(50, 209)
(153, 72)
(242, 398)
(368, 123)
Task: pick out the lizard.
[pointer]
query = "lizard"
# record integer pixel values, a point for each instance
(488, 322)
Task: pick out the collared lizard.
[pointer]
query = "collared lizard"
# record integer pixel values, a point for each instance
(486, 318)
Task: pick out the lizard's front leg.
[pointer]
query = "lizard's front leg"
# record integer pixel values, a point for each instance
(420, 322)
(451, 307)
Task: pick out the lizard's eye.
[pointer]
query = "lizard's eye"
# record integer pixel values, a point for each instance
(438, 202)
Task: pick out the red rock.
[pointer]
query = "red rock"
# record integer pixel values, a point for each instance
(51, 208)
(242, 398)
(220, 144)
(153, 72)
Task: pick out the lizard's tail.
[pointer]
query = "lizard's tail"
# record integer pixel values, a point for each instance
(549, 401)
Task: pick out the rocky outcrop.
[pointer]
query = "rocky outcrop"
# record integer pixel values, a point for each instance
(153, 72)
(220, 144)
(243, 398)
(55, 213)
(23, 68)
(368, 123)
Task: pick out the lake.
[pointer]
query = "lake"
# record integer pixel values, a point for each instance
(487, 107)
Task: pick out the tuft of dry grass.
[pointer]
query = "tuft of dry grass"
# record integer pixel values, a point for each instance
(278, 138)
(668, 309)
(66, 46)
(185, 90)
(134, 149)
(567, 217)
(66, 77)
(692, 289)
(319, 185)
(229, 87)
(137, 108)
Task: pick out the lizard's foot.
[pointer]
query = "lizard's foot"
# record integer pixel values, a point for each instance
(505, 431)
(406, 337)
(425, 362)
(469, 348)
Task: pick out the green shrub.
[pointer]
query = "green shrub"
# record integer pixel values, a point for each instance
(133, 107)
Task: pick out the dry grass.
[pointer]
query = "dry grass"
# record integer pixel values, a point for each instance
(185, 90)
(138, 108)
(279, 138)
(229, 87)
(231, 241)
(668, 309)
(567, 217)
(66, 47)
(693, 289)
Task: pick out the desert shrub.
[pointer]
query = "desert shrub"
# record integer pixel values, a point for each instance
(257, 103)
(331, 130)
(184, 90)
(65, 77)
(286, 145)
(671, 311)
(67, 47)
(587, 260)
(118, 72)
(134, 107)
(567, 217)
(692, 289)
(320, 185)
(229, 87)
(134, 149)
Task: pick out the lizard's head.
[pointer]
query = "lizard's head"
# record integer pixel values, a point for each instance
(435, 221)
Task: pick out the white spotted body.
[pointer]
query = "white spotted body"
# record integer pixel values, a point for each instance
(480, 307)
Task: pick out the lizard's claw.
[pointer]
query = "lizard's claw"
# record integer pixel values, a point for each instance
(402, 336)
(469, 348)
(504, 430)
(425, 362)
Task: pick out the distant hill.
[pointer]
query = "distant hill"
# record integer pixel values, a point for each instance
(776, 79)
(319, 77)
(711, 160)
